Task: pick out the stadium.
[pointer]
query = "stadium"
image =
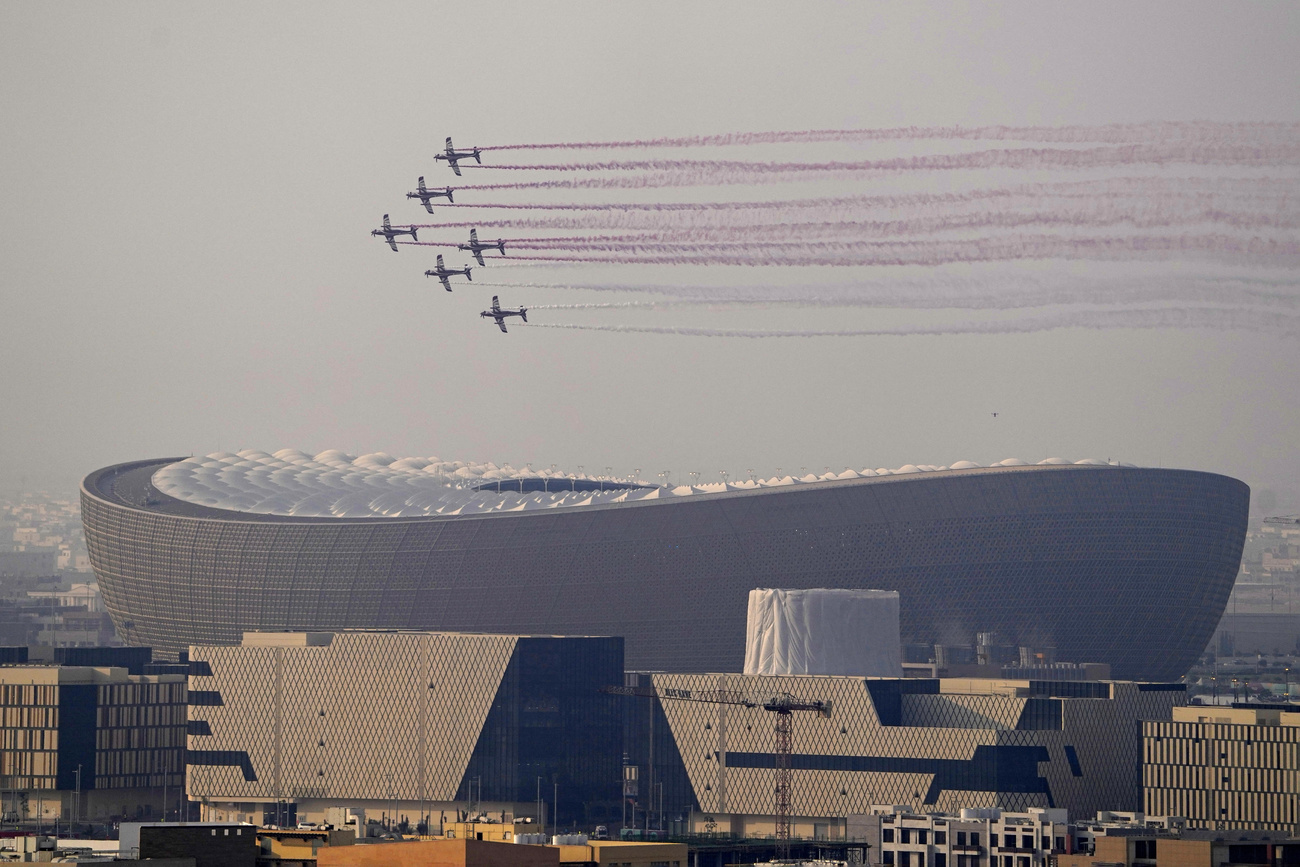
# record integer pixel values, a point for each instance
(1104, 563)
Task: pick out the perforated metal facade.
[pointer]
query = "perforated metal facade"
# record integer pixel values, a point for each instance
(936, 745)
(416, 718)
(1126, 566)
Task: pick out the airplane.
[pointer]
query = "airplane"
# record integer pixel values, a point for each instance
(442, 272)
(500, 315)
(389, 233)
(477, 249)
(453, 157)
(424, 195)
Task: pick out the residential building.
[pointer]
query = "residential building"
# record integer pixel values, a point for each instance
(1225, 767)
(83, 744)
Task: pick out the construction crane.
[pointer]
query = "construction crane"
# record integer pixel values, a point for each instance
(1290, 520)
(784, 705)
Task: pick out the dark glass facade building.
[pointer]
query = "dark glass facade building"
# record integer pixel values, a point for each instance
(1122, 565)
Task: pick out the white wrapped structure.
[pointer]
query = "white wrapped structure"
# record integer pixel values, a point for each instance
(841, 632)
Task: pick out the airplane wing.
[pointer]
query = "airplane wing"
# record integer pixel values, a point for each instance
(473, 236)
(446, 282)
(392, 243)
(455, 166)
(428, 207)
(501, 323)
(478, 254)
(386, 224)
(496, 305)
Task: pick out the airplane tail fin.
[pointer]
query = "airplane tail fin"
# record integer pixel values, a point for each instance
(501, 245)
(477, 158)
(449, 198)
(467, 270)
(523, 313)
(413, 235)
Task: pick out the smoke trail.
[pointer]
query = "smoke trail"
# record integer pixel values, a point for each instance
(1118, 296)
(1110, 133)
(1221, 319)
(1020, 158)
(1255, 251)
(1130, 187)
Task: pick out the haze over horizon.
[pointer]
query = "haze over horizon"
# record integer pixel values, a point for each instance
(188, 266)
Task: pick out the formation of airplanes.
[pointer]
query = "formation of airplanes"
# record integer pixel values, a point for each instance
(474, 246)
(500, 315)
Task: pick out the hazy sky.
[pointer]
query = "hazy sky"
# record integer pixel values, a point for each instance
(188, 189)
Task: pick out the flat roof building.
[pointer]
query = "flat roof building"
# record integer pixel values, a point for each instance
(935, 745)
(1225, 767)
(115, 738)
(410, 728)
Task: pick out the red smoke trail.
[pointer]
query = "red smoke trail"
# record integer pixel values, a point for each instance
(1111, 133)
(931, 252)
(1020, 158)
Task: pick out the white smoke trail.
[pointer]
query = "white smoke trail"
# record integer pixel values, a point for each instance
(1218, 319)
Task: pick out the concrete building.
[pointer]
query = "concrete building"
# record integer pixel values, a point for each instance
(116, 739)
(972, 838)
(409, 728)
(1153, 848)
(936, 745)
(1225, 767)
(1125, 566)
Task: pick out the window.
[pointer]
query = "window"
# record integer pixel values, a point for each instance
(1060, 844)
(1047, 843)
(961, 838)
(904, 836)
(887, 835)
(940, 838)
(1009, 841)
(974, 838)
(1144, 850)
(889, 856)
(922, 836)
(1026, 841)
(940, 860)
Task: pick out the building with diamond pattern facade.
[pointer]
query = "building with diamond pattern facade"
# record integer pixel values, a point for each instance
(1113, 564)
(405, 725)
(932, 744)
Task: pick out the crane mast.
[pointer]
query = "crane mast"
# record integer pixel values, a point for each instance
(784, 705)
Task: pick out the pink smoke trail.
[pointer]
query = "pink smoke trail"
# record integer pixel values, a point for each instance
(1020, 158)
(1220, 319)
(1110, 133)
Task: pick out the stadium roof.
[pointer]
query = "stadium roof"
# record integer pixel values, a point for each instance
(335, 484)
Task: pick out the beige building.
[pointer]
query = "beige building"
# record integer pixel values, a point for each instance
(1224, 767)
(115, 738)
(410, 730)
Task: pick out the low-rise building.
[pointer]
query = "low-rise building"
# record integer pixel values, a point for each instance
(1225, 767)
